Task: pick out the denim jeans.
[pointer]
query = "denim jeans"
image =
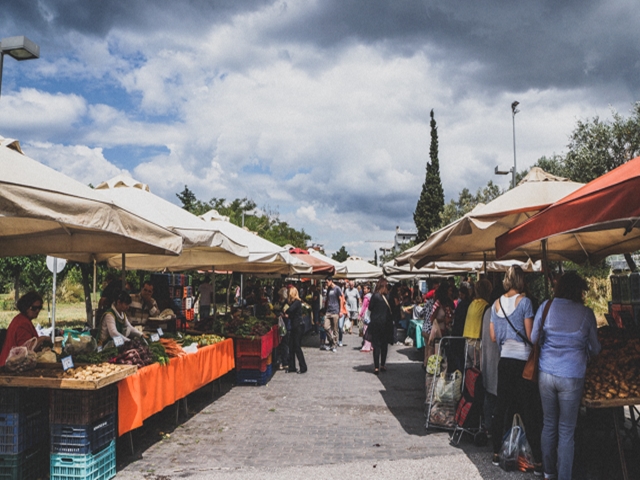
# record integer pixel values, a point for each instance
(560, 406)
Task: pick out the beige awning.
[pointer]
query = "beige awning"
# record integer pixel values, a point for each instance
(42, 211)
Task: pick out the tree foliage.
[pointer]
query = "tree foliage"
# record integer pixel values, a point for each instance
(467, 201)
(341, 255)
(431, 202)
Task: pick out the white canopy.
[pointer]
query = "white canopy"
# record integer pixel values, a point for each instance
(340, 268)
(357, 268)
(444, 269)
(472, 237)
(42, 211)
(201, 239)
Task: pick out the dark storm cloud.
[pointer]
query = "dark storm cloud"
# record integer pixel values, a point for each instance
(98, 17)
(515, 45)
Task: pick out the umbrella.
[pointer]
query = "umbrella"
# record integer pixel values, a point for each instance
(472, 237)
(339, 267)
(319, 266)
(600, 219)
(43, 211)
(358, 268)
(200, 238)
(443, 269)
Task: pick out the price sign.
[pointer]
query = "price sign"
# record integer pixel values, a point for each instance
(67, 363)
(155, 337)
(99, 349)
(118, 341)
(160, 332)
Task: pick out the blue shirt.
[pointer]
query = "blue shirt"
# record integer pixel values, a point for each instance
(504, 332)
(569, 337)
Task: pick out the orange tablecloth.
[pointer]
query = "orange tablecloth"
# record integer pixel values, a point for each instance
(155, 387)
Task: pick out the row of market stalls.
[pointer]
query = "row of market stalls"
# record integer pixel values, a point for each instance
(547, 218)
(122, 223)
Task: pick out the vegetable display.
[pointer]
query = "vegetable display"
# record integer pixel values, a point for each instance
(243, 326)
(91, 372)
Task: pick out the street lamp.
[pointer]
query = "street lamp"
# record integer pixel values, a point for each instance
(20, 48)
(512, 170)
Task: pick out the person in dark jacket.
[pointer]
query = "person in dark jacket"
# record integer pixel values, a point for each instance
(294, 315)
(381, 325)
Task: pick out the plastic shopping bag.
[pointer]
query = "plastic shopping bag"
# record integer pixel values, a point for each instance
(511, 444)
(449, 387)
(22, 358)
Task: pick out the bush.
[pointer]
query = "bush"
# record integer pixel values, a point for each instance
(70, 291)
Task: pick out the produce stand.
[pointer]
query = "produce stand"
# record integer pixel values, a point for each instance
(52, 376)
(155, 387)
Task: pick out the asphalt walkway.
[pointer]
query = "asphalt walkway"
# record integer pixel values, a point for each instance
(336, 421)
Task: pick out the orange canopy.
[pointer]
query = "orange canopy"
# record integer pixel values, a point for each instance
(597, 220)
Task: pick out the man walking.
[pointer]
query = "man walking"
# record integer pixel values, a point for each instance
(332, 304)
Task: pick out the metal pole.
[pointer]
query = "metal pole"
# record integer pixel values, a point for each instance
(124, 272)
(95, 280)
(514, 110)
(53, 301)
(1, 62)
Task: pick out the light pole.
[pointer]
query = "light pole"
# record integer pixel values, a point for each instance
(512, 170)
(514, 110)
(20, 48)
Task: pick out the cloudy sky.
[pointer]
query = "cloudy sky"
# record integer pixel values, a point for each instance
(317, 109)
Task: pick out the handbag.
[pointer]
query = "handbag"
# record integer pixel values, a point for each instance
(511, 444)
(530, 371)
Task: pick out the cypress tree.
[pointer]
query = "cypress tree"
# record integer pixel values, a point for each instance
(431, 201)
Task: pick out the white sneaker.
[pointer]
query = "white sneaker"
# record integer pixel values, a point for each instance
(339, 344)
(334, 350)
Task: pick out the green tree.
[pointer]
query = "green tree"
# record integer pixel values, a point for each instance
(431, 202)
(467, 202)
(341, 255)
(375, 258)
(191, 203)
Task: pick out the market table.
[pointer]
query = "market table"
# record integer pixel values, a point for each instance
(614, 405)
(415, 332)
(51, 376)
(156, 386)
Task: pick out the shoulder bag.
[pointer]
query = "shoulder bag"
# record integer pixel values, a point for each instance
(530, 371)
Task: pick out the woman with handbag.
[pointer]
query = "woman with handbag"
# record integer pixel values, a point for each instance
(365, 318)
(441, 318)
(511, 324)
(294, 315)
(380, 330)
(567, 337)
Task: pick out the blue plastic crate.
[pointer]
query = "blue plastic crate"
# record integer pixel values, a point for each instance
(83, 439)
(21, 431)
(253, 377)
(92, 466)
(28, 465)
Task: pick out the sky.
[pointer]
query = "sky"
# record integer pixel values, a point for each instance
(316, 109)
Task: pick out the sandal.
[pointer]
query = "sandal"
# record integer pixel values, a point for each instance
(375, 371)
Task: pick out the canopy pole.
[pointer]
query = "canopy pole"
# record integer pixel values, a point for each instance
(124, 272)
(545, 268)
(53, 302)
(213, 280)
(228, 288)
(95, 280)
(484, 263)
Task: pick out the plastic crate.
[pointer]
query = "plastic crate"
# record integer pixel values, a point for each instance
(276, 336)
(20, 431)
(625, 289)
(615, 288)
(253, 363)
(92, 466)
(634, 282)
(83, 439)
(262, 346)
(253, 377)
(22, 400)
(28, 465)
(82, 407)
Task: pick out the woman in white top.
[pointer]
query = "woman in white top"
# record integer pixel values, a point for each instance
(511, 324)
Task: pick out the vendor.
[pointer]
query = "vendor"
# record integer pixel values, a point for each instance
(21, 328)
(114, 322)
(143, 305)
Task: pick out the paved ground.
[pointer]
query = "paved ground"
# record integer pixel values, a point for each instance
(336, 421)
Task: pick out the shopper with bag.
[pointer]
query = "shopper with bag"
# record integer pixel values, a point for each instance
(294, 315)
(380, 330)
(511, 324)
(365, 318)
(568, 338)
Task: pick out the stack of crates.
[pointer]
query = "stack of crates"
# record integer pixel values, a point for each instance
(83, 433)
(181, 293)
(254, 360)
(24, 433)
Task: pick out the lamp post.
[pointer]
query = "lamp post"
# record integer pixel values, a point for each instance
(512, 170)
(514, 110)
(20, 48)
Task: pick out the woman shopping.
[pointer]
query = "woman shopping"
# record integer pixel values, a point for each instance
(568, 338)
(381, 325)
(294, 315)
(511, 324)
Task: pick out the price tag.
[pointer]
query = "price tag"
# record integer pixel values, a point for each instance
(118, 341)
(155, 337)
(67, 363)
(99, 349)
(160, 332)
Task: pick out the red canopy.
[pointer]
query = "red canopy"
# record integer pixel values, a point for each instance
(319, 267)
(600, 219)
(298, 250)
